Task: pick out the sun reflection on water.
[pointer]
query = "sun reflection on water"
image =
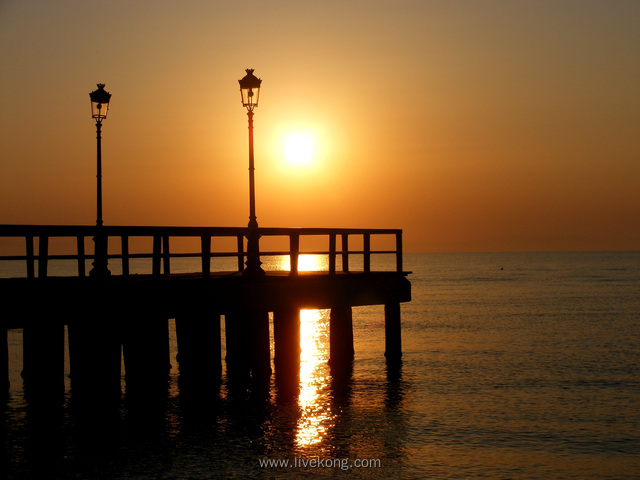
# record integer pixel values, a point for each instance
(316, 417)
(315, 412)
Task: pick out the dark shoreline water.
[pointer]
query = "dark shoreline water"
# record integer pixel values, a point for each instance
(520, 366)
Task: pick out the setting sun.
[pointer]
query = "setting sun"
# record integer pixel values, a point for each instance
(298, 148)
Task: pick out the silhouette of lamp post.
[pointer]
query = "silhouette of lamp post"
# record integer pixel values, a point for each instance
(250, 91)
(99, 107)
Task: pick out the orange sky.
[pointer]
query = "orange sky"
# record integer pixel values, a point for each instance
(472, 125)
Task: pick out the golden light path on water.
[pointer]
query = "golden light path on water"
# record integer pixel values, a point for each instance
(315, 412)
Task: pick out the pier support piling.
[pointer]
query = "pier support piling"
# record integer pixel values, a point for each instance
(259, 345)
(43, 358)
(341, 350)
(199, 345)
(95, 356)
(248, 346)
(4, 359)
(392, 331)
(236, 358)
(147, 359)
(286, 336)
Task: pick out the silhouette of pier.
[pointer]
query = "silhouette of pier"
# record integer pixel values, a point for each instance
(126, 313)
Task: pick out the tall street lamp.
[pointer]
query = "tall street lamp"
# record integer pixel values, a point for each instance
(250, 91)
(99, 108)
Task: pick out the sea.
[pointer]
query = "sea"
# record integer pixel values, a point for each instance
(515, 366)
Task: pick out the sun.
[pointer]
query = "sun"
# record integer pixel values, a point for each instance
(298, 148)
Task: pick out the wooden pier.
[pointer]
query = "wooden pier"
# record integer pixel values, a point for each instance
(126, 312)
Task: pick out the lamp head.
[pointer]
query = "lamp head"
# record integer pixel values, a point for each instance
(250, 89)
(99, 103)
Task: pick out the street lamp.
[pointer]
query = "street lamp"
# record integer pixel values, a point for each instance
(250, 92)
(99, 108)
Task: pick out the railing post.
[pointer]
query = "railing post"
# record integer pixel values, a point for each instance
(399, 252)
(166, 256)
(345, 252)
(155, 262)
(240, 253)
(332, 254)
(205, 242)
(80, 244)
(366, 237)
(124, 243)
(30, 257)
(100, 268)
(43, 254)
(294, 253)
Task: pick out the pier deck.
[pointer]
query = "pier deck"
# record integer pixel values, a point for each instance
(220, 293)
(126, 311)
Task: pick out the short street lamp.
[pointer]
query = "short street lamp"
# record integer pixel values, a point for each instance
(250, 91)
(99, 108)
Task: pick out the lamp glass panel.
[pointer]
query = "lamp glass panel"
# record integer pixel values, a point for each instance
(99, 112)
(250, 96)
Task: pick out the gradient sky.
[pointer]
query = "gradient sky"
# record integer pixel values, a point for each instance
(472, 125)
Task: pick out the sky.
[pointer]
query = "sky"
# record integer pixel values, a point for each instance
(471, 125)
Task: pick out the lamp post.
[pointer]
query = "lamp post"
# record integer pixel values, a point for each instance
(99, 108)
(250, 92)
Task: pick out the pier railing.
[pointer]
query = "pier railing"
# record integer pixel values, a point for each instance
(339, 245)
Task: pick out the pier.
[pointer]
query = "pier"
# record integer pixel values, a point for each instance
(125, 312)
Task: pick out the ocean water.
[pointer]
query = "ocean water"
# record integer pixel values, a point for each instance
(515, 366)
